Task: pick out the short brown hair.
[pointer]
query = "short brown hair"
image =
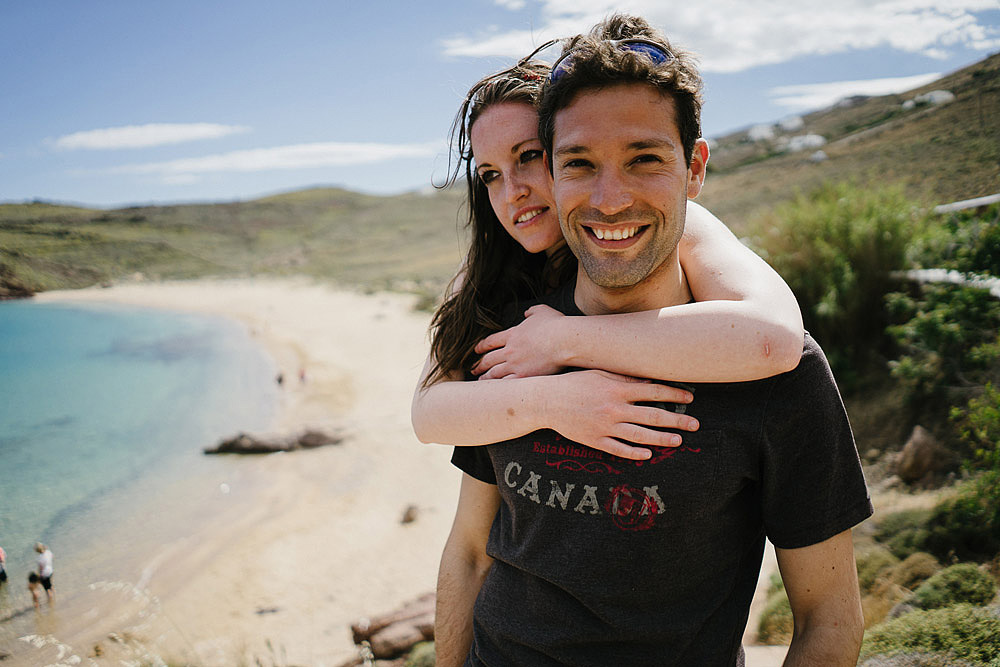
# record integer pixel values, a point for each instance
(596, 62)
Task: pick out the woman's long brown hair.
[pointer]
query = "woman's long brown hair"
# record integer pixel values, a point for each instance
(497, 270)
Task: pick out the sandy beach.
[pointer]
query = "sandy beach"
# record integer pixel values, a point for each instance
(320, 542)
(304, 543)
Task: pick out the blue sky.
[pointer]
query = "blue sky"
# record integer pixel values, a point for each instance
(114, 103)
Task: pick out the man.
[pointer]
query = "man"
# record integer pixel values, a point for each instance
(562, 555)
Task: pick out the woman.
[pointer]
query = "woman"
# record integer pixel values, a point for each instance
(744, 325)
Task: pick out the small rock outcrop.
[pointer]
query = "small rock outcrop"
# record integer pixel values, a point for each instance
(393, 634)
(923, 457)
(244, 443)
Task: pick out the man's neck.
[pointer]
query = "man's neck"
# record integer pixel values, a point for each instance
(665, 286)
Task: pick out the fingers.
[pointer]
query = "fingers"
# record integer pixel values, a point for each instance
(657, 393)
(498, 372)
(621, 450)
(491, 342)
(487, 362)
(646, 416)
(618, 376)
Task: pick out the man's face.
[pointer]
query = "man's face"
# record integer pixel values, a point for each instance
(621, 182)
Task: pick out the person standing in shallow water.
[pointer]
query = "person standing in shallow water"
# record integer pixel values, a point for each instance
(3, 566)
(45, 569)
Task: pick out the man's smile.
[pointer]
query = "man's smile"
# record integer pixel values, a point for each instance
(617, 233)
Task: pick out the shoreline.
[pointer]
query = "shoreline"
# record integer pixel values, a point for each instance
(306, 542)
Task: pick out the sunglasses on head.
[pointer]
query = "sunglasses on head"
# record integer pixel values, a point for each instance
(657, 53)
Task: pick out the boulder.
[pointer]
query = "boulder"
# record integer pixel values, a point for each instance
(393, 634)
(311, 439)
(923, 457)
(244, 443)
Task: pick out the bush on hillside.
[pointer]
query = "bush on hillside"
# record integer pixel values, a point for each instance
(918, 660)
(422, 655)
(978, 426)
(915, 570)
(959, 583)
(966, 241)
(905, 532)
(872, 563)
(776, 622)
(948, 343)
(948, 340)
(967, 525)
(836, 248)
(964, 631)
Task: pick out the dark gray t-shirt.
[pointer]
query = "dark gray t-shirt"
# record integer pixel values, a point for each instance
(600, 560)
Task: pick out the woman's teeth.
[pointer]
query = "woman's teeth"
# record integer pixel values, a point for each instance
(615, 234)
(529, 215)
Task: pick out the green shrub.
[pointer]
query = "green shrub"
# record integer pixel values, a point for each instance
(948, 339)
(967, 525)
(947, 334)
(774, 585)
(978, 427)
(967, 632)
(836, 247)
(422, 655)
(917, 660)
(967, 241)
(914, 570)
(904, 532)
(959, 583)
(776, 623)
(872, 563)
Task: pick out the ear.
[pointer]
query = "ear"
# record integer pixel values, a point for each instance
(697, 170)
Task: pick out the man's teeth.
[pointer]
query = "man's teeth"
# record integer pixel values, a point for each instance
(616, 234)
(529, 215)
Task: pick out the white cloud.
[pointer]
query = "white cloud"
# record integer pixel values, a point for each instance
(297, 156)
(734, 35)
(145, 136)
(819, 95)
(512, 5)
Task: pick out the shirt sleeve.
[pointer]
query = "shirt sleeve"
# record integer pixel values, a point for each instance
(475, 461)
(813, 485)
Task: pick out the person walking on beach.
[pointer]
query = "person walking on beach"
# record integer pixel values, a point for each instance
(563, 555)
(3, 566)
(45, 569)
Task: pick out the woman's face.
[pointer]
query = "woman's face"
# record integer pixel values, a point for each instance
(509, 161)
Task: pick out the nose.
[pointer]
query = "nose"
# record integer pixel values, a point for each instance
(609, 193)
(515, 188)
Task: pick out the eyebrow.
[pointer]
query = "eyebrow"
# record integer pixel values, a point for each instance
(651, 143)
(513, 151)
(516, 147)
(642, 144)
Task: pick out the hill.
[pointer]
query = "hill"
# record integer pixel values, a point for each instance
(407, 242)
(941, 153)
(413, 241)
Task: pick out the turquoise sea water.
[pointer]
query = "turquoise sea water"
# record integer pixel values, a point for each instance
(104, 411)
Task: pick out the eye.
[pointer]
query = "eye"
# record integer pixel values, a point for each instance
(487, 176)
(647, 158)
(576, 163)
(530, 155)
